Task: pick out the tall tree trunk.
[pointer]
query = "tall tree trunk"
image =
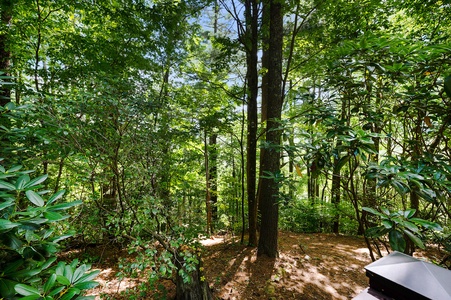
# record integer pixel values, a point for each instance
(5, 55)
(213, 177)
(207, 187)
(251, 44)
(271, 161)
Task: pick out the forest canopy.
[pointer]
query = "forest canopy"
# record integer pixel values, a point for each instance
(171, 120)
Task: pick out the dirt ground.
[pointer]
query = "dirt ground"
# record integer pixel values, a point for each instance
(310, 266)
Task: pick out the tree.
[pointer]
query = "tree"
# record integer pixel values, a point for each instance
(271, 178)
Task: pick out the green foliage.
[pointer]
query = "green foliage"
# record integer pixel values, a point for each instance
(29, 241)
(399, 225)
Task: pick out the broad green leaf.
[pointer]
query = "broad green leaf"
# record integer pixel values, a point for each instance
(35, 181)
(341, 162)
(63, 280)
(409, 225)
(385, 211)
(375, 232)
(13, 242)
(70, 294)
(14, 169)
(26, 290)
(25, 273)
(427, 224)
(86, 285)
(7, 288)
(12, 267)
(35, 198)
(63, 206)
(409, 213)
(373, 211)
(55, 197)
(54, 216)
(6, 204)
(7, 224)
(416, 240)
(89, 276)
(79, 273)
(48, 263)
(69, 273)
(57, 290)
(21, 181)
(387, 223)
(61, 237)
(396, 240)
(7, 186)
(49, 283)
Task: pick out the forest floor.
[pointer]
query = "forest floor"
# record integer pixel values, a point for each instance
(310, 266)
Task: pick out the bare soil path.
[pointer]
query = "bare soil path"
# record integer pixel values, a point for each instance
(310, 266)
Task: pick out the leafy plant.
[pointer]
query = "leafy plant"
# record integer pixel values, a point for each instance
(29, 240)
(399, 226)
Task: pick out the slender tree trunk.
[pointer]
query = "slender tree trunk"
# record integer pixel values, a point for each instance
(5, 55)
(271, 161)
(251, 44)
(213, 177)
(207, 188)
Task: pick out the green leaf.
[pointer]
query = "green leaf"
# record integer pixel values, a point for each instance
(396, 240)
(56, 196)
(48, 263)
(26, 290)
(375, 232)
(63, 280)
(54, 216)
(6, 204)
(373, 211)
(7, 224)
(70, 294)
(7, 288)
(409, 213)
(86, 285)
(409, 225)
(69, 273)
(35, 198)
(7, 186)
(79, 272)
(21, 181)
(427, 224)
(387, 223)
(341, 162)
(49, 283)
(89, 276)
(14, 169)
(13, 242)
(63, 206)
(57, 290)
(416, 240)
(35, 181)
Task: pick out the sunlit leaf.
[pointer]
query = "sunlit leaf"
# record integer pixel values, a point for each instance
(35, 198)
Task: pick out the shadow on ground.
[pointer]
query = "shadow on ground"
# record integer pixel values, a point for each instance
(310, 266)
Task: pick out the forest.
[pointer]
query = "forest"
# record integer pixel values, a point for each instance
(146, 127)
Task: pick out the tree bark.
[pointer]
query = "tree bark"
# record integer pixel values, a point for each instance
(196, 287)
(5, 55)
(269, 189)
(251, 44)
